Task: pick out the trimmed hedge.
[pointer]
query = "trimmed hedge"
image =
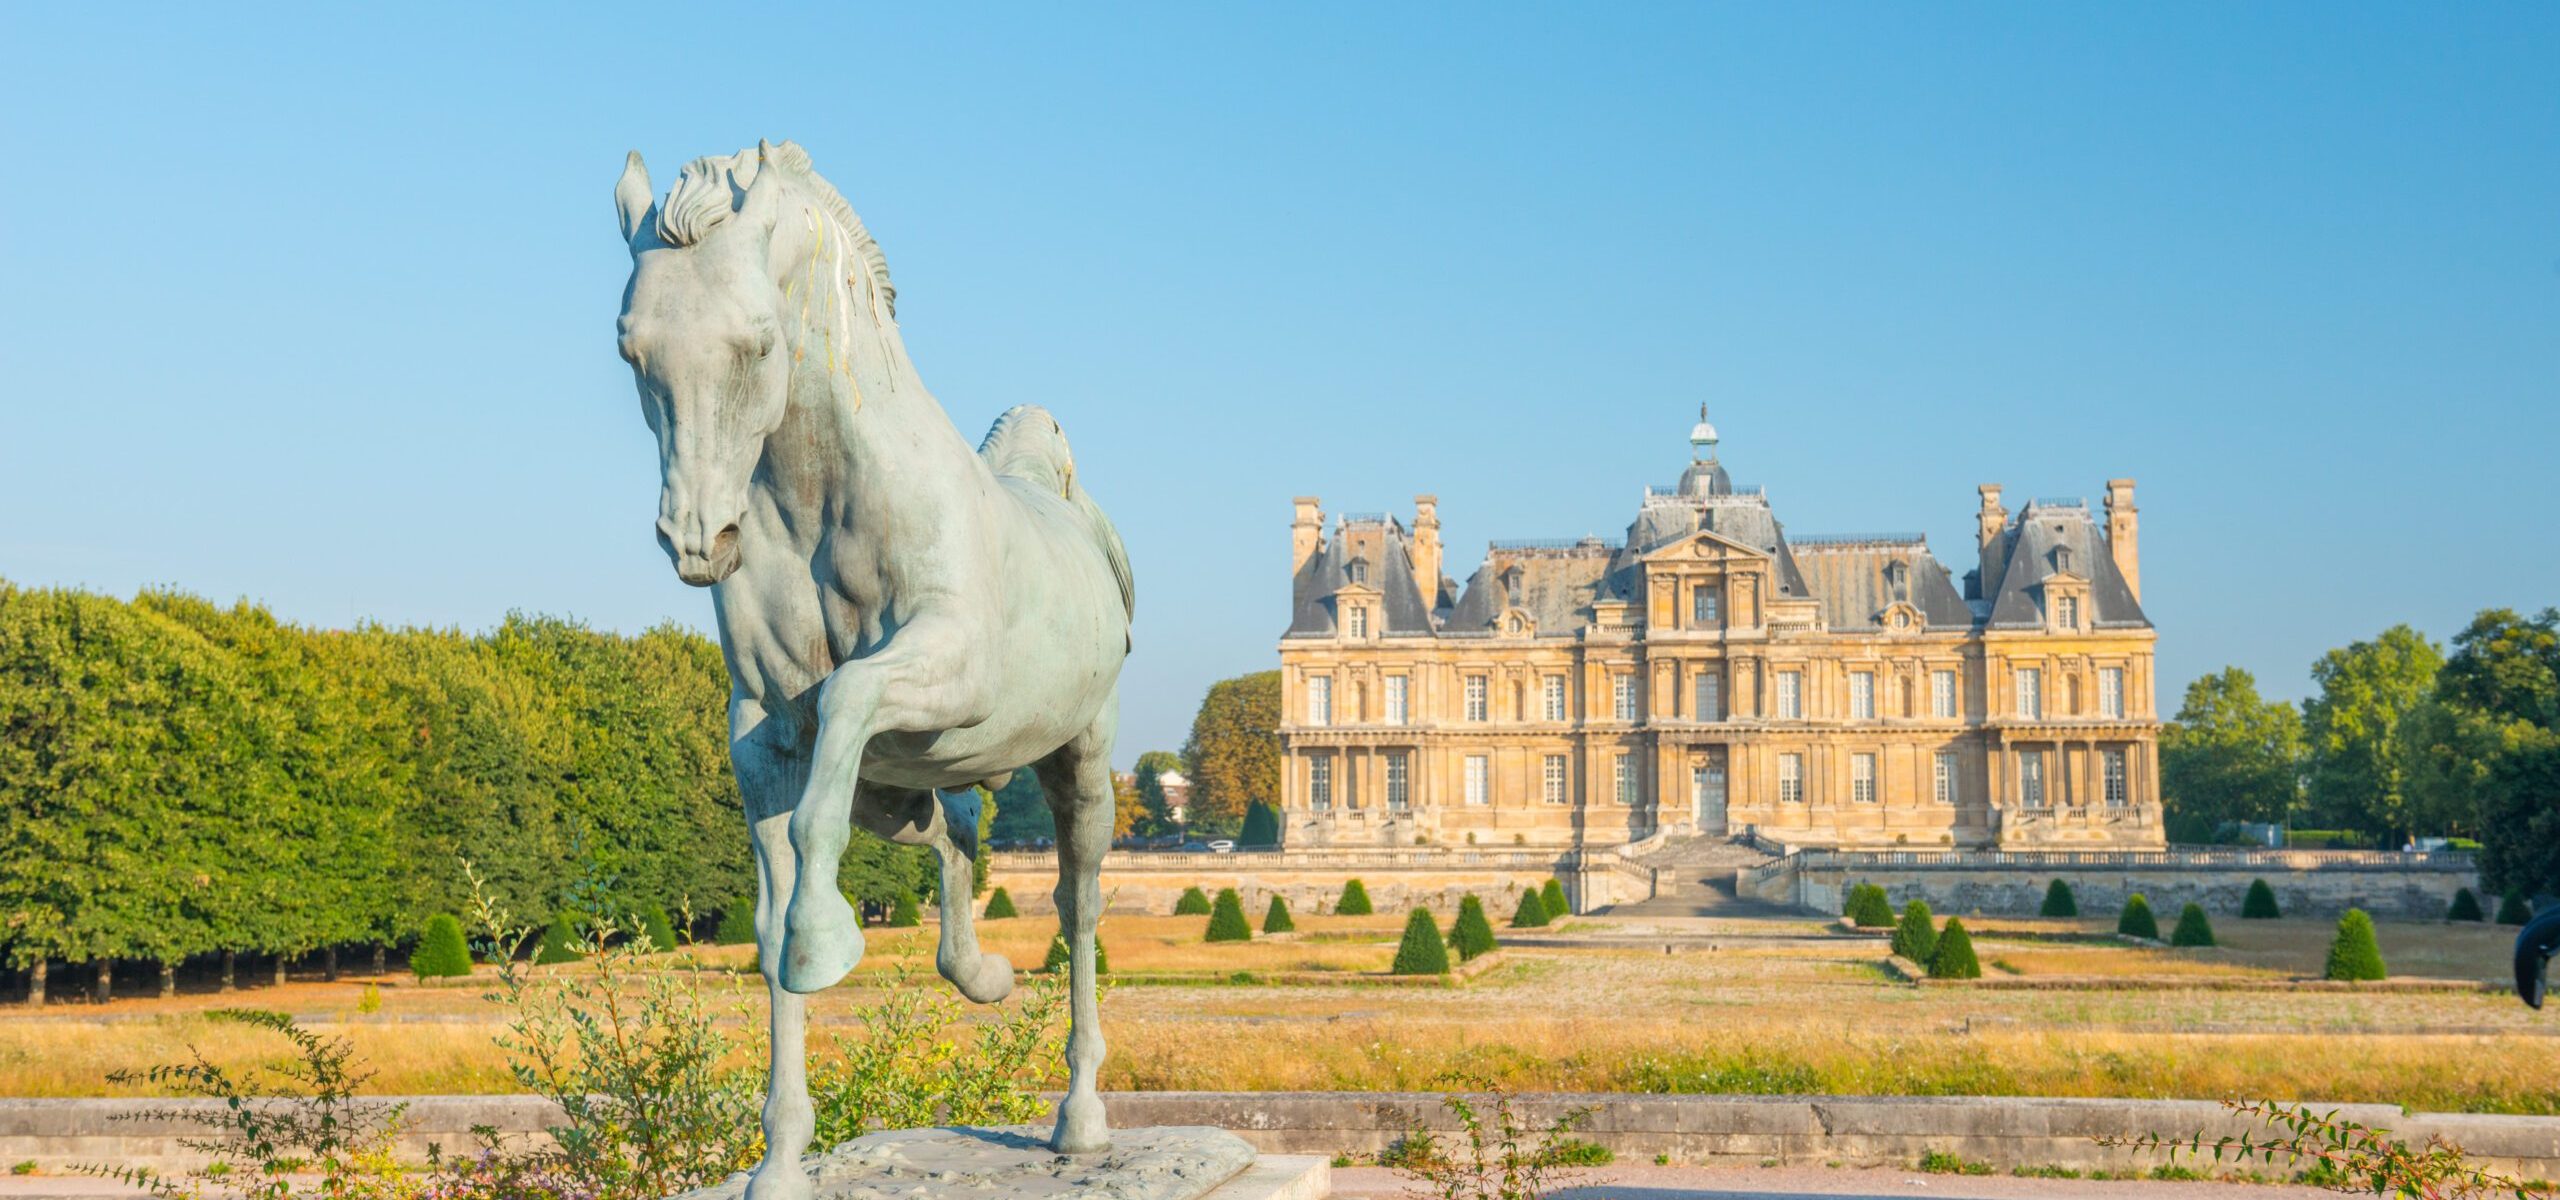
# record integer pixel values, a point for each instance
(1551, 898)
(2193, 929)
(1354, 902)
(1916, 937)
(2512, 910)
(1000, 906)
(1056, 963)
(2136, 919)
(2355, 955)
(1869, 908)
(1472, 935)
(2261, 903)
(441, 952)
(1194, 903)
(2465, 907)
(660, 930)
(1421, 952)
(1226, 919)
(1276, 919)
(737, 923)
(2059, 902)
(902, 912)
(1532, 913)
(1261, 828)
(559, 942)
(1954, 959)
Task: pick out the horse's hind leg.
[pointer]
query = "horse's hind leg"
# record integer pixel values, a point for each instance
(1078, 779)
(917, 818)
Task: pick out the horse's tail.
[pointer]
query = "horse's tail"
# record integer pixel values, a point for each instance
(1027, 444)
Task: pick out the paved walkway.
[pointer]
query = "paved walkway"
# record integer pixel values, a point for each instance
(1803, 1183)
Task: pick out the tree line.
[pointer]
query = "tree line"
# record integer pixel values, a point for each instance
(2399, 740)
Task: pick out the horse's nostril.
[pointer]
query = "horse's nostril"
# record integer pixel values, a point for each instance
(727, 541)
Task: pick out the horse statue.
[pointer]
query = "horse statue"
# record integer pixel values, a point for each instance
(904, 620)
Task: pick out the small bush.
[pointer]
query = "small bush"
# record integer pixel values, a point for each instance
(1226, 919)
(1954, 959)
(2059, 902)
(1422, 952)
(1941, 1162)
(1194, 903)
(1276, 919)
(369, 1001)
(559, 942)
(1472, 934)
(658, 927)
(1551, 898)
(1000, 906)
(2261, 904)
(1056, 962)
(2193, 929)
(1575, 1152)
(2136, 919)
(1261, 827)
(1869, 907)
(1354, 902)
(2512, 910)
(441, 953)
(2465, 907)
(737, 923)
(2355, 955)
(1532, 913)
(1916, 938)
(902, 912)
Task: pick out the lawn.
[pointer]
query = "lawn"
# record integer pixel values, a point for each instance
(2261, 950)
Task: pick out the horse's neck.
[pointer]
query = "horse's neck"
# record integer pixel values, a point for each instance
(858, 435)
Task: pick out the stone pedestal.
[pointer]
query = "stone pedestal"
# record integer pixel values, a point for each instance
(1014, 1162)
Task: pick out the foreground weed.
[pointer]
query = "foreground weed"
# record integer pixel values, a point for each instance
(1498, 1157)
(1941, 1162)
(2341, 1155)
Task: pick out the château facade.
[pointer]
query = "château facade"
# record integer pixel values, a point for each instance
(1713, 674)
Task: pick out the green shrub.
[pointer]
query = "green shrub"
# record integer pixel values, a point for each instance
(1869, 907)
(2193, 929)
(2465, 907)
(1000, 906)
(1551, 898)
(1354, 902)
(2355, 955)
(1472, 934)
(1194, 903)
(902, 912)
(2512, 910)
(2059, 902)
(2261, 903)
(1421, 952)
(1575, 1152)
(1056, 962)
(655, 925)
(441, 953)
(2136, 919)
(1532, 913)
(1954, 959)
(1276, 919)
(1916, 938)
(559, 942)
(1226, 919)
(737, 923)
(1261, 827)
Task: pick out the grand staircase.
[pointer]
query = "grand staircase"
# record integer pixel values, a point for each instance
(1693, 877)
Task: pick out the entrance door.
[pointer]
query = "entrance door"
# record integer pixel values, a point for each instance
(1706, 795)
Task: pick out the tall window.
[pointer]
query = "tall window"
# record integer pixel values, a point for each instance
(1551, 779)
(1319, 700)
(1862, 778)
(1943, 781)
(1398, 781)
(1475, 698)
(1359, 620)
(2111, 771)
(1942, 694)
(2031, 778)
(1320, 781)
(1398, 710)
(2030, 693)
(1710, 696)
(1479, 779)
(1555, 697)
(2111, 691)
(1626, 773)
(1862, 695)
(2066, 612)
(1791, 695)
(1625, 686)
(1706, 607)
(1790, 779)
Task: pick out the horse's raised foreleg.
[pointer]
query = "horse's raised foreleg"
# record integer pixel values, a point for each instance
(1078, 778)
(917, 818)
(771, 773)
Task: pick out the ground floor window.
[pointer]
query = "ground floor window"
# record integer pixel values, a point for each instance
(1479, 779)
(2111, 765)
(1790, 779)
(1320, 781)
(2031, 778)
(1397, 797)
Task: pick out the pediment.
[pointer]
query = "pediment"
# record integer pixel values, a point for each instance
(1355, 591)
(1704, 545)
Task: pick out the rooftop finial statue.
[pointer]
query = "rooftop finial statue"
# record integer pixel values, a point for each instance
(903, 619)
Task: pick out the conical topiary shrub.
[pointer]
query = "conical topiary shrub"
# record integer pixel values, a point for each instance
(559, 942)
(2465, 907)
(1276, 919)
(2261, 903)
(1954, 959)
(2136, 919)
(441, 952)
(1354, 902)
(2193, 929)
(1916, 937)
(2059, 902)
(1226, 919)
(1000, 905)
(1421, 952)
(1532, 913)
(1870, 908)
(902, 912)
(1194, 903)
(657, 927)
(1056, 963)
(1261, 827)
(1551, 898)
(2355, 955)
(1472, 935)
(737, 923)
(2512, 910)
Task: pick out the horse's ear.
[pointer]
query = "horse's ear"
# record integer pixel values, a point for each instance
(633, 197)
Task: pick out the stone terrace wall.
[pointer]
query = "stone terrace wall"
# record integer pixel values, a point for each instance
(2013, 883)
(1149, 882)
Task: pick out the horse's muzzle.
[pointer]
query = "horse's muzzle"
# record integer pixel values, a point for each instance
(700, 567)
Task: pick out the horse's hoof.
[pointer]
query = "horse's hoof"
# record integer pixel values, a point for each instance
(1081, 1127)
(986, 979)
(820, 944)
(775, 1180)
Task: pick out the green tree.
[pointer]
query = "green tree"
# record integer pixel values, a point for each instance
(1192, 903)
(1261, 827)
(1551, 896)
(2193, 928)
(902, 912)
(2355, 955)
(2136, 919)
(2512, 909)
(1954, 958)
(2351, 730)
(1000, 905)
(1471, 934)
(657, 927)
(2059, 902)
(1354, 902)
(1152, 766)
(1916, 936)
(737, 923)
(2261, 903)
(441, 952)
(2229, 756)
(2465, 907)
(1233, 756)
(559, 941)
(1422, 952)
(1532, 912)
(1022, 810)
(1226, 919)
(1276, 919)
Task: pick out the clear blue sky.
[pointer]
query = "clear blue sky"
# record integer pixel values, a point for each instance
(315, 306)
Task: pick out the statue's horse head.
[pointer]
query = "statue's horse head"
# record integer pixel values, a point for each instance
(711, 332)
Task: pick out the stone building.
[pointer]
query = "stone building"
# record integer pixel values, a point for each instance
(1712, 673)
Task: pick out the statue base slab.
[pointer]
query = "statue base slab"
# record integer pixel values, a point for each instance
(1014, 1162)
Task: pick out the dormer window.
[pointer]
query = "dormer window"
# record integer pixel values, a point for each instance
(1358, 571)
(2062, 559)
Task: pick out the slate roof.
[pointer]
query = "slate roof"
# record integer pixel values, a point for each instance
(1853, 581)
(1389, 568)
(2032, 538)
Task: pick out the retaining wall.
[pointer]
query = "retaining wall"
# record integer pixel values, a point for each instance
(1396, 879)
(2306, 882)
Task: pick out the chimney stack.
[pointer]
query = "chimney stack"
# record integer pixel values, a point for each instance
(1306, 534)
(1426, 549)
(1991, 525)
(2123, 533)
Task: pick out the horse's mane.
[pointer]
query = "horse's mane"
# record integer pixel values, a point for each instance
(709, 189)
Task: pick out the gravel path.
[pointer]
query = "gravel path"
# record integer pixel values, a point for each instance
(1790, 1183)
